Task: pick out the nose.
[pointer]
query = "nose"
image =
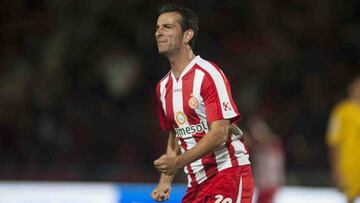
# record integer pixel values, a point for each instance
(158, 32)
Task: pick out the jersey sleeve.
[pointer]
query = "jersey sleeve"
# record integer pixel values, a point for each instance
(335, 128)
(165, 124)
(218, 100)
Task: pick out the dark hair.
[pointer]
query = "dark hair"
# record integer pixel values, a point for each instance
(189, 19)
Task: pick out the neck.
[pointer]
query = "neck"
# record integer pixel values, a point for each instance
(180, 60)
(355, 100)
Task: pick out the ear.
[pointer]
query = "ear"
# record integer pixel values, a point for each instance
(188, 35)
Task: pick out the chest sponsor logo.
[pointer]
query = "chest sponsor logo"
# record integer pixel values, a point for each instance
(180, 118)
(192, 129)
(193, 102)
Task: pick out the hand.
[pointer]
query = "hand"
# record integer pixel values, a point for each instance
(161, 192)
(167, 164)
(233, 129)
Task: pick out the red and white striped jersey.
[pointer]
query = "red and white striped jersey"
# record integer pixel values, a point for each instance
(189, 105)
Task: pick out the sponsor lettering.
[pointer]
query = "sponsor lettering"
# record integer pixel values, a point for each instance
(192, 129)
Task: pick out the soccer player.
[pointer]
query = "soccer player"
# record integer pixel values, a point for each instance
(197, 110)
(343, 138)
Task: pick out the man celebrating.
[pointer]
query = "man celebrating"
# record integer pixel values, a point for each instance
(197, 109)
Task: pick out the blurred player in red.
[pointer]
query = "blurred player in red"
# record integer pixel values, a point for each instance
(268, 160)
(197, 110)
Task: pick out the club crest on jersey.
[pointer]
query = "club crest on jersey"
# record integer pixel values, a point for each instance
(193, 102)
(180, 118)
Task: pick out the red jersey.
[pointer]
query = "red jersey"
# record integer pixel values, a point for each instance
(189, 105)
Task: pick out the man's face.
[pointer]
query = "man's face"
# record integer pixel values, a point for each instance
(169, 35)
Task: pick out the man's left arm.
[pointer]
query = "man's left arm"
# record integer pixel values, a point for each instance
(218, 134)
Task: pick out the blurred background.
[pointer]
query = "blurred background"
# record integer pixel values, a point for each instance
(77, 81)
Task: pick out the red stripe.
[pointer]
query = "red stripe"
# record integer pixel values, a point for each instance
(169, 100)
(211, 80)
(187, 89)
(231, 150)
(230, 147)
(228, 89)
(188, 167)
(209, 161)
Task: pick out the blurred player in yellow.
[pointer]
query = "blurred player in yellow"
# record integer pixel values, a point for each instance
(343, 139)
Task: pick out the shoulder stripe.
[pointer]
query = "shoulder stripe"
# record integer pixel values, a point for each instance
(227, 109)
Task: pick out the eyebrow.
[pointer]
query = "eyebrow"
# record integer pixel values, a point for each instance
(166, 25)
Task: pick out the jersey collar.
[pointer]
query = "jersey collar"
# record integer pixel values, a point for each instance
(187, 68)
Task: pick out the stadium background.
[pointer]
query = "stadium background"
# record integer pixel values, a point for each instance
(77, 81)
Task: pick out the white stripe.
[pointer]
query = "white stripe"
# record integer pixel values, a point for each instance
(200, 110)
(220, 87)
(189, 139)
(178, 102)
(196, 166)
(163, 92)
(240, 191)
(222, 157)
(189, 178)
(240, 151)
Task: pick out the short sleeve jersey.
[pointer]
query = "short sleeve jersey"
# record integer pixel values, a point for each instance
(189, 104)
(344, 134)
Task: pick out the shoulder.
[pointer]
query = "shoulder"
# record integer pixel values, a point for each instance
(166, 77)
(163, 79)
(205, 65)
(342, 108)
(161, 84)
(211, 69)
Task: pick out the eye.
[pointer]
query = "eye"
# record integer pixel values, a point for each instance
(168, 26)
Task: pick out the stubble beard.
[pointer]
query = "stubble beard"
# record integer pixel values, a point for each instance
(170, 52)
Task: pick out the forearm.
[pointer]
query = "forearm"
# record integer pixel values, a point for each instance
(215, 137)
(170, 162)
(172, 150)
(166, 179)
(333, 159)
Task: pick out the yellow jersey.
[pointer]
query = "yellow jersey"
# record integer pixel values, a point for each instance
(344, 134)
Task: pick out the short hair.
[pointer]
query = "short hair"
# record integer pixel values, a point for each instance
(189, 19)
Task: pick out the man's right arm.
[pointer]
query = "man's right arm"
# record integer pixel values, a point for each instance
(163, 189)
(334, 168)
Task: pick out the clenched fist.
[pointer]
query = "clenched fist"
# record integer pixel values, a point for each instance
(161, 192)
(167, 164)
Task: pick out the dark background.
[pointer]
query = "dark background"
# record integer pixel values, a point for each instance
(77, 81)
